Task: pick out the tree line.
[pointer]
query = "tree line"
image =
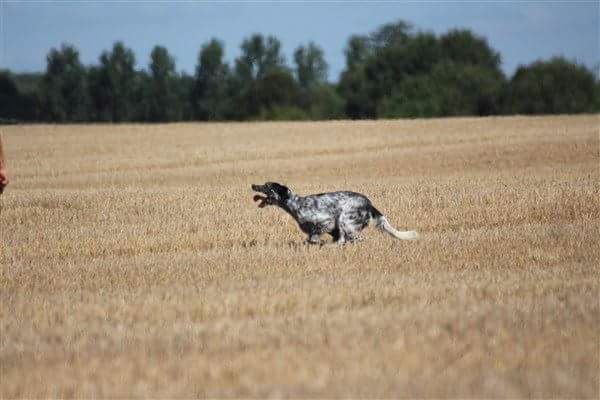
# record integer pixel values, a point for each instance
(394, 72)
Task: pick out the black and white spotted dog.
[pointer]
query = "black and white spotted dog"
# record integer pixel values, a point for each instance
(341, 214)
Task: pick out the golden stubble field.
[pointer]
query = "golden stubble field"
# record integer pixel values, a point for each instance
(135, 264)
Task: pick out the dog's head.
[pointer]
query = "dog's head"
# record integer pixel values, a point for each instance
(274, 194)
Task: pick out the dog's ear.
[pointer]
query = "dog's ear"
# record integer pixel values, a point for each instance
(282, 191)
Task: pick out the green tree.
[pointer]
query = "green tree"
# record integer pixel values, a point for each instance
(29, 86)
(463, 46)
(261, 80)
(210, 96)
(397, 72)
(277, 88)
(417, 97)
(390, 35)
(325, 103)
(311, 68)
(376, 64)
(64, 88)
(386, 70)
(353, 88)
(450, 89)
(162, 102)
(10, 98)
(357, 50)
(28, 82)
(184, 85)
(114, 84)
(596, 104)
(259, 56)
(552, 87)
(353, 81)
(314, 96)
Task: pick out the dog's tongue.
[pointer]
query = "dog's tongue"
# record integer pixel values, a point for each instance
(263, 200)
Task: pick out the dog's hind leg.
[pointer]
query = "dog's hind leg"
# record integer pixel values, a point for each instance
(351, 224)
(352, 236)
(338, 235)
(349, 232)
(335, 234)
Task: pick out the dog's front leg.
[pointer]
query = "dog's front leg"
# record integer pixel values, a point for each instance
(313, 239)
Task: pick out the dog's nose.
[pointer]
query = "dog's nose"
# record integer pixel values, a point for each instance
(254, 187)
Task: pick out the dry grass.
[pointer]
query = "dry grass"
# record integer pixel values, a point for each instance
(135, 264)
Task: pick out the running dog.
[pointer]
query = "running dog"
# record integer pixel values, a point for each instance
(340, 214)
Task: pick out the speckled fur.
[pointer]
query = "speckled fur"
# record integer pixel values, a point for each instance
(343, 215)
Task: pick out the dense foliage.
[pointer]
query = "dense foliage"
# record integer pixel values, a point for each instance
(394, 72)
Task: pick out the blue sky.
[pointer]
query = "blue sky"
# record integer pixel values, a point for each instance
(521, 31)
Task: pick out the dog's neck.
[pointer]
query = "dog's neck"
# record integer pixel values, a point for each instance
(291, 205)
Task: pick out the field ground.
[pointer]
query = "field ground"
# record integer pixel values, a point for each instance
(135, 264)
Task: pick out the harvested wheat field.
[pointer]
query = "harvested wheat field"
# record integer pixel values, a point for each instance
(134, 262)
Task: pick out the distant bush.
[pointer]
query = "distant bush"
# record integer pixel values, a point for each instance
(283, 113)
(325, 103)
(596, 106)
(449, 90)
(396, 73)
(9, 96)
(18, 103)
(556, 86)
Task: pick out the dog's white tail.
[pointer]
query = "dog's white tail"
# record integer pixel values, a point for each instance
(382, 223)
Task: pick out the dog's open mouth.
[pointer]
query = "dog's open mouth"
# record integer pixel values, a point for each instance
(263, 200)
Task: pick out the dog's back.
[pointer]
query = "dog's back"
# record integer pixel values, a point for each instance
(336, 202)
